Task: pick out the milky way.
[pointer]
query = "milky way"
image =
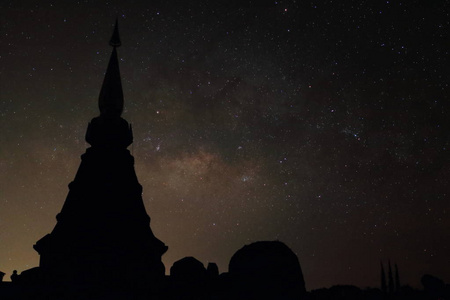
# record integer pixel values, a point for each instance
(319, 123)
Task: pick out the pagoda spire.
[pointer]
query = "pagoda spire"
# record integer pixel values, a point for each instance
(110, 101)
(115, 38)
(109, 129)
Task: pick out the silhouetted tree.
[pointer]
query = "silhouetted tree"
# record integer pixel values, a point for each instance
(383, 279)
(391, 279)
(397, 280)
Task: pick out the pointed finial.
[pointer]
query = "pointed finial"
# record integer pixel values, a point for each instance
(109, 129)
(115, 38)
(111, 95)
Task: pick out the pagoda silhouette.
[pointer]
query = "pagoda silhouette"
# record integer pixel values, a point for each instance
(102, 240)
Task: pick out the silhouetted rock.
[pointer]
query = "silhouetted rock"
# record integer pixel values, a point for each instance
(372, 294)
(408, 293)
(1, 276)
(266, 270)
(188, 279)
(212, 270)
(343, 292)
(447, 292)
(188, 268)
(347, 292)
(433, 286)
(31, 276)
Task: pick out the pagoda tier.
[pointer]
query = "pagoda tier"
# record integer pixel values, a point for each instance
(103, 232)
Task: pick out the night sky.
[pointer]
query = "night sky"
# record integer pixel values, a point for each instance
(319, 123)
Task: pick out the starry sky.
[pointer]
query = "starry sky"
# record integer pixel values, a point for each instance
(322, 124)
